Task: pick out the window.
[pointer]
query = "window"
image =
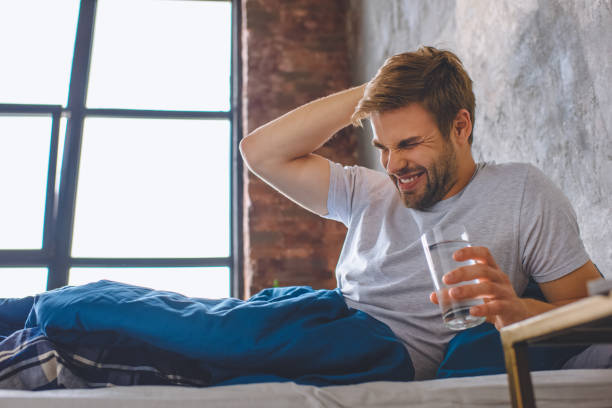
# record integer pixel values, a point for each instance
(118, 136)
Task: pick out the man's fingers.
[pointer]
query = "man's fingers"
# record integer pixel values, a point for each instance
(482, 289)
(433, 297)
(478, 254)
(471, 272)
(487, 309)
(499, 312)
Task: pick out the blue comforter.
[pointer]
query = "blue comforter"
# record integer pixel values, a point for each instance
(112, 333)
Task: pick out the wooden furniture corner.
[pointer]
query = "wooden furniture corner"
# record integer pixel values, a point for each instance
(587, 321)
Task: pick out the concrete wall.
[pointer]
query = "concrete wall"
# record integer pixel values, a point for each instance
(542, 73)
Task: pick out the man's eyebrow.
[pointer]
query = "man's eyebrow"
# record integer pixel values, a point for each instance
(402, 143)
(377, 144)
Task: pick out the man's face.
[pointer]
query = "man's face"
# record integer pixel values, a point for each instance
(420, 162)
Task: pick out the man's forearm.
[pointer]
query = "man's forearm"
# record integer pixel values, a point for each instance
(567, 289)
(300, 131)
(536, 307)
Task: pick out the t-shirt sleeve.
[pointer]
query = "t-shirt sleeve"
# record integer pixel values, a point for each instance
(549, 234)
(341, 190)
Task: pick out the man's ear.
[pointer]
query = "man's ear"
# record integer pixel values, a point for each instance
(462, 127)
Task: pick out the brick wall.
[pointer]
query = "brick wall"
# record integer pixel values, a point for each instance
(294, 51)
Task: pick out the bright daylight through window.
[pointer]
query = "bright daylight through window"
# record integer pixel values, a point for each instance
(116, 145)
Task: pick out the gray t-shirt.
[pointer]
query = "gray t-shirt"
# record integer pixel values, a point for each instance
(513, 209)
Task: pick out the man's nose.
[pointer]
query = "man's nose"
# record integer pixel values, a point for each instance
(394, 162)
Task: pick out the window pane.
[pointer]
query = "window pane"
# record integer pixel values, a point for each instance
(172, 55)
(24, 161)
(22, 282)
(36, 50)
(153, 188)
(211, 282)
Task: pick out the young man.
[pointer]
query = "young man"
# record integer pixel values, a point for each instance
(421, 107)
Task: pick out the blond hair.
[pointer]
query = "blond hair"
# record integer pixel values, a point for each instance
(434, 78)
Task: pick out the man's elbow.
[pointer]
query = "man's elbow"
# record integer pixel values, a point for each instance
(249, 152)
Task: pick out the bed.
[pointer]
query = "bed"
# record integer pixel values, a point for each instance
(162, 349)
(554, 389)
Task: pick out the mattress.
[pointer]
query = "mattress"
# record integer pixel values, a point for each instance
(555, 389)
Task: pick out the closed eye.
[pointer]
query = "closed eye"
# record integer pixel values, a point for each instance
(410, 143)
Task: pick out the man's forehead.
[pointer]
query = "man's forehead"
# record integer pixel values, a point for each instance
(407, 122)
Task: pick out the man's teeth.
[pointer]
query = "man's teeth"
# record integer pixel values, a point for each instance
(408, 180)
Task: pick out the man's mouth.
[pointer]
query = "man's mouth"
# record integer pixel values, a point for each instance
(409, 182)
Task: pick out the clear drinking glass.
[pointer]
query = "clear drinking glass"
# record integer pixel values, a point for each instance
(439, 245)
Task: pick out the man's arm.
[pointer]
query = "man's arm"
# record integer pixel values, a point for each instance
(280, 152)
(570, 287)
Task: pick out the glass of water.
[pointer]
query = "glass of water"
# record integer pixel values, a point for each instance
(439, 245)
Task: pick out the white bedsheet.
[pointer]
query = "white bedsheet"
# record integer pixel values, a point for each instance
(554, 389)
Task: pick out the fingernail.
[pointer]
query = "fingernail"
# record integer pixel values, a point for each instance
(455, 291)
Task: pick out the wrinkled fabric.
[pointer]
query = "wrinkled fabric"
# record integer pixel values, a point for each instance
(281, 334)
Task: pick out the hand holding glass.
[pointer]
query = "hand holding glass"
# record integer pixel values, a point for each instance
(439, 245)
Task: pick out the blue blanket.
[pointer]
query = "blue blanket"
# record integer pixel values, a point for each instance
(112, 333)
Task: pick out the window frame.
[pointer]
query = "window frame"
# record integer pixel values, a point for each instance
(59, 208)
